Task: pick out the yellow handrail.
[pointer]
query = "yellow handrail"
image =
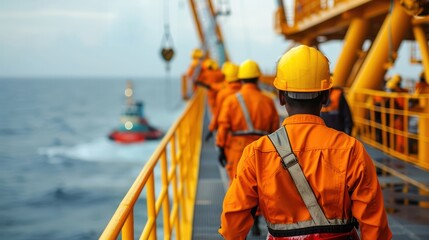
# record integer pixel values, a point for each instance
(178, 158)
(380, 123)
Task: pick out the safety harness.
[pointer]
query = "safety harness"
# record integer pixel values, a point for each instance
(250, 129)
(319, 222)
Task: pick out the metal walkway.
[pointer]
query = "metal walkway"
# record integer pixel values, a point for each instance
(407, 207)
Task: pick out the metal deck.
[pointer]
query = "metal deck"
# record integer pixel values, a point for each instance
(408, 209)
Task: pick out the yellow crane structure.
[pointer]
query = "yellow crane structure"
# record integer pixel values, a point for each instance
(385, 24)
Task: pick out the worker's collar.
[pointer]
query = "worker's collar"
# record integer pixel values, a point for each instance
(303, 118)
(249, 86)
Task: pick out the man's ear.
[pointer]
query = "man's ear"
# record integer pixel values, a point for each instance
(282, 98)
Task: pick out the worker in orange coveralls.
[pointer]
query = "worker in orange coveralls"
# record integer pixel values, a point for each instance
(230, 70)
(422, 87)
(194, 68)
(243, 118)
(324, 180)
(336, 113)
(212, 79)
(393, 85)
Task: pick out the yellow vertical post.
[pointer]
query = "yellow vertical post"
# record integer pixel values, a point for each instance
(422, 42)
(423, 128)
(423, 153)
(151, 209)
(176, 200)
(128, 229)
(165, 201)
(356, 35)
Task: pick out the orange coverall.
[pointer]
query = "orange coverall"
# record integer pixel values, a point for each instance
(263, 115)
(399, 120)
(337, 167)
(230, 89)
(214, 79)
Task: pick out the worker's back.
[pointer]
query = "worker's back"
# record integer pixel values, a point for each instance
(228, 90)
(334, 165)
(232, 119)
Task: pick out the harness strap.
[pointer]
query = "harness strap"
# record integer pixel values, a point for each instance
(246, 132)
(251, 130)
(289, 161)
(313, 230)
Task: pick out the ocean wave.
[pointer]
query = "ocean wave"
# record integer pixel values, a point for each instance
(101, 150)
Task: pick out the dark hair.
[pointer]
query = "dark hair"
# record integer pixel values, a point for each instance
(303, 103)
(422, 77)
(250, 80)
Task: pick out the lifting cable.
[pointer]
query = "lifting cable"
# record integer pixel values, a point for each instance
(167, 51)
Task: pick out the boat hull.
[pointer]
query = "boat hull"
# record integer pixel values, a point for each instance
(128, 137)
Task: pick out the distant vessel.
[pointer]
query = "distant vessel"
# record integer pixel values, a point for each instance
(134, 127)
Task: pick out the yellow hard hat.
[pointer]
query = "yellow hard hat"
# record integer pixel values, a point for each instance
(230, 70)
(303, 70)
(393, 81)
(197, 53)
(210, 64)
(249, 69)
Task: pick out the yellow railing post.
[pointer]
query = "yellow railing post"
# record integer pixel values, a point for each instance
(380, 120)
(165, 202)
(423, 142)
(149, 232)
(174, 218)
(128, 229)
(181, 175)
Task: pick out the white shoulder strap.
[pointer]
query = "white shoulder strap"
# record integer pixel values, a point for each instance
(281, 142)
(245, 111)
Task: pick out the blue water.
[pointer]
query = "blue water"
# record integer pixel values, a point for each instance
(60, 177)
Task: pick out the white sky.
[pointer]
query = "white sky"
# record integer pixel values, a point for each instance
(40, 38)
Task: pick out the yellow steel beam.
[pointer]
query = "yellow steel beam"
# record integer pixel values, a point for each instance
(197, 22)
(353, 41)
(421, 40)
(388, 40)
(371, 74)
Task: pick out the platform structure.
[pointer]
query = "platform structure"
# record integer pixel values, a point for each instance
(406, 204)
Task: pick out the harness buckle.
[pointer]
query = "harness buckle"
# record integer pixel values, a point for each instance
(290, 162)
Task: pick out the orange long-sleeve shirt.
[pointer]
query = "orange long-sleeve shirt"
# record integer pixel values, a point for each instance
(230, 89)
(214, 79)
(337, 167)
(262, 111)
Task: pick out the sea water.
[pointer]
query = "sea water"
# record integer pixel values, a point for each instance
(60, 176)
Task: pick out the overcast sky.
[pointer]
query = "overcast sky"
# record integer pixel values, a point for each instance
(115, 38)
